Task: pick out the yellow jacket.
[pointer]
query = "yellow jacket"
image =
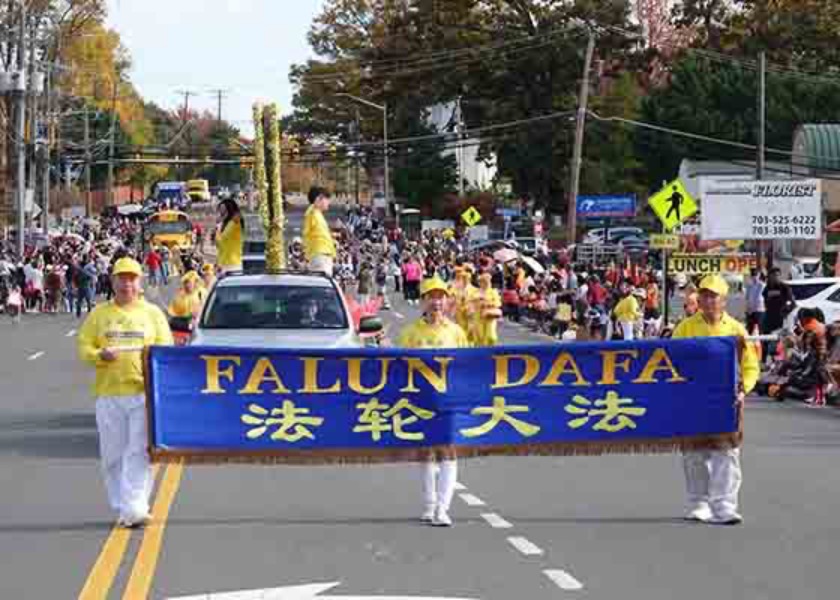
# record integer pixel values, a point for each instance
(229, 245)
(186, 305)
(421, 334)
(317, 237)
(627, 310)
(132, 328)
(696, 326)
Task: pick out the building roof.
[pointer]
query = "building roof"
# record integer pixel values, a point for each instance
(816, 147)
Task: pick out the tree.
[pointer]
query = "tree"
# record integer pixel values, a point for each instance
(423, 174)
(797, 33)
(508, 60)
(611, 162)
(719, 101)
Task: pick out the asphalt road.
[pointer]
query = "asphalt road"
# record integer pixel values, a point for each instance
(525, 528)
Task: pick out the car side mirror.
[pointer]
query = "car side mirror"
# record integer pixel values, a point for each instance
(370, 326)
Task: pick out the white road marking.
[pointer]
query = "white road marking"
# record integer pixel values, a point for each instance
(311, 591)
(459, 487)
(563, 580)
(472, 500)
(71, 333)
(525, 546)
(496, 521)
(399, 315)
(36, 356)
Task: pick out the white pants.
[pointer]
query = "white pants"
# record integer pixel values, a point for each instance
(627, 329)
(439, 483)
(121, 422)
(713, 478)
(323, 263)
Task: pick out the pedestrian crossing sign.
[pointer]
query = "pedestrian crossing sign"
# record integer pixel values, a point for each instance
(471, 216)
(673, 204)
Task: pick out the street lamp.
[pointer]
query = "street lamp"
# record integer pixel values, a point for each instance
(384, 109)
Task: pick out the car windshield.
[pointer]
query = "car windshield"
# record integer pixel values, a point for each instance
(169, 227)
(275, 307)
(804, 291)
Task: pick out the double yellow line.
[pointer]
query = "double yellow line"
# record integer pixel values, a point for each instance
(107, 565)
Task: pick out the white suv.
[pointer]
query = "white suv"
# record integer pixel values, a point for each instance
(286, 310)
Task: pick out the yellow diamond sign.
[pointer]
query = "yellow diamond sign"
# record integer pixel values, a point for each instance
(673, 204)
(471, 216)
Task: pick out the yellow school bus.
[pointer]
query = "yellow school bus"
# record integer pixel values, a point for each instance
(171, 228)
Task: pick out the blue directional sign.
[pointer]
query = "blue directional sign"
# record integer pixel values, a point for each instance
(606, 206)
(508, 212)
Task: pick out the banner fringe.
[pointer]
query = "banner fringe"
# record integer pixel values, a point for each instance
(342, 456)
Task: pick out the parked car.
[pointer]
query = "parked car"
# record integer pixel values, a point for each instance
(616, 234)
(818, 292)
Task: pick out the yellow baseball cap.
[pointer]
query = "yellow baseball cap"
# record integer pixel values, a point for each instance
(715, 284)
(432, 284)
(208, 268)
(127, 266)
(189, 275)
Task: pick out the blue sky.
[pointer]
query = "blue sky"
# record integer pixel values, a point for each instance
(242, 46)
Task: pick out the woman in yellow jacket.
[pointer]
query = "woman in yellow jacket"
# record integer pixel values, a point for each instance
(488, 310)
(186, 305)
(627, 312)
(229, 238)
(462, 294)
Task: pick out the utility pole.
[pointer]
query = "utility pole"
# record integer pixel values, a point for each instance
(33, 83)
(88, 198)
(220, 95)
(387, 167)
(762, 131)
(20, 132)
(186, 94)
(357, 158)
(460, 152)
(46, 172)
(111, 144)
(577, 157)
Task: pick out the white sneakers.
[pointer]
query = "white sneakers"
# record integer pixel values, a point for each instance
(131, 521)
(436, 515)
(728, 518)
(702, 513)
(442, 519)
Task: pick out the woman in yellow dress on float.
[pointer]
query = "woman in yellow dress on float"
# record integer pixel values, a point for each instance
(487, 310)
(463, 293)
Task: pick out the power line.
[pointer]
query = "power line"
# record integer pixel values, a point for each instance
(410, 69)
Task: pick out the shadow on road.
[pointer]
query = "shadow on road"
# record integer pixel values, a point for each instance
(56, 527)
(68, 435)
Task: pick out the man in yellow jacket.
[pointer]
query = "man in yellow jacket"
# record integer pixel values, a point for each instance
(112, 339)
(713, 477)
(434, 330)
(318, 242)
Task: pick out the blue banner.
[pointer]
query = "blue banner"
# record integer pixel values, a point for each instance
(601, 207)
(219, 404)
